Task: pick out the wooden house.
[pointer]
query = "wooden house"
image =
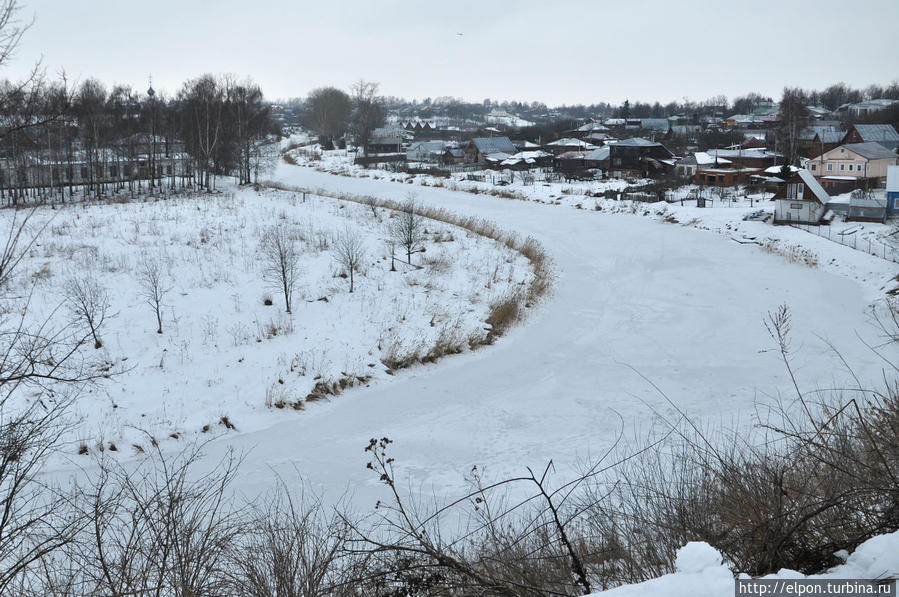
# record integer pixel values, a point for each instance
(801, 201)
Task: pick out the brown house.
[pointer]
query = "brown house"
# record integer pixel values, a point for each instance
(638, 157)
(725, 177)
(883, 134)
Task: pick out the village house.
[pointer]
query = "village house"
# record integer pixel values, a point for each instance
(884, 134)
(388, 140)
(524, 160)
(426, 151)
(525, 145)
(453, 156)
(854, 161)
(724, 176)
(825, 141)
(479, 148)
(589, 128)
(637, 157)
(598, 158)
(748, 158)
(599, 138)
(810, 137)
(867, 107)
(689, 165)
(801, 201)
(569, 144)
(570, 163)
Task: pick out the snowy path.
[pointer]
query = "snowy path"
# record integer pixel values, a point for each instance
(683, 307)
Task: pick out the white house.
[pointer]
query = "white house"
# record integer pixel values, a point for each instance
(801, 201)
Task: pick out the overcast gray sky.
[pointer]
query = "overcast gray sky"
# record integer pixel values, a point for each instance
(575, 51)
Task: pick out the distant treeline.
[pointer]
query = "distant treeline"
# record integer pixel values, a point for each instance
(829, 98)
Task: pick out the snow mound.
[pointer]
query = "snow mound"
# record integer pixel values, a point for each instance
(701, 573)
(877, 557)
(696, 556)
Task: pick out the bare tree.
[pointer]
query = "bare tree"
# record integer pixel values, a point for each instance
(89, 302)
(367, 112)
(161, 529)
(152, 286)
(407, 229)
(16, 244)
(794, 117)
(202, 102)
(34, 520)
(41, 370)
(281, 260)
(349, 251)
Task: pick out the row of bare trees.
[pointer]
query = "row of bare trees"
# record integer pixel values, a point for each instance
(59, 138)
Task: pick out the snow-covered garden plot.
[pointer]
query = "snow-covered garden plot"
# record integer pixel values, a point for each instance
(229, 356)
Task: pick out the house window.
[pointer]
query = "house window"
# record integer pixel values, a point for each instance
(800, 190)
(84, 172)
(842, 166)
(113, 171)
(795, 206)
(830, 167)
(814, 167)
(850, 167)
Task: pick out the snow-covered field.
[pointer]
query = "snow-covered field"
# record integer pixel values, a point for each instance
(634, 297)
(225, 357)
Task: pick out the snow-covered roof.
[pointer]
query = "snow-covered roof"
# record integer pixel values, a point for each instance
(776, 169)
(871, 150)
(498, 156)
(592, 126)
(568, 142)
(813, 185)
(831, 136)
(743, 153)
(704, 159)
(531, 155)
(572, 155)
(636, 142)
(877, 132)
(599, 154)
(426, 147)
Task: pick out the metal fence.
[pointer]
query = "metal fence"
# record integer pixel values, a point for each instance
(849, 238)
